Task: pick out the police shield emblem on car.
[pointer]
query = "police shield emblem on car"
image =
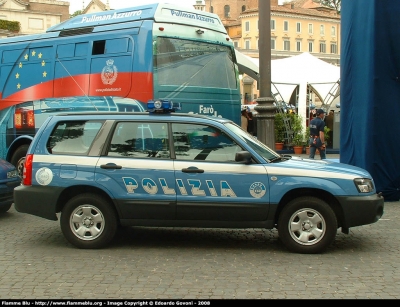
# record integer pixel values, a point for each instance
(161, 168)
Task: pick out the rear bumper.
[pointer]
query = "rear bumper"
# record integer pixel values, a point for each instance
(361, 210)
(37, 200)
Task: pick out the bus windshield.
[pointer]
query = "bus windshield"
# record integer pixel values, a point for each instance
(183, 62)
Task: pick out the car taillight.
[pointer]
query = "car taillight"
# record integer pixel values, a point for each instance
(27, 174)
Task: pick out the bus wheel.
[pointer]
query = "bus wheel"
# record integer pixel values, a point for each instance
(18, 158)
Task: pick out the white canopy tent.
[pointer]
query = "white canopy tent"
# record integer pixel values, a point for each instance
(300, 70)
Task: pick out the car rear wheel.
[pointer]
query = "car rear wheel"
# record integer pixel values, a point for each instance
(88, 221)
(307, 225)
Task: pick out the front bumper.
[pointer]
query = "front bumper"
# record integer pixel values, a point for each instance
(37, 200)
(6, 192)
(361, 210)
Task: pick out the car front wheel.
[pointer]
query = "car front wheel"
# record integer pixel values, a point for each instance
(307, 225)
(88, 221)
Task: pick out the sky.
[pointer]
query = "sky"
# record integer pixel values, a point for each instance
(76, 5)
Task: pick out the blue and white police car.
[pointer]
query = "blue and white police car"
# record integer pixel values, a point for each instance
(97, 171)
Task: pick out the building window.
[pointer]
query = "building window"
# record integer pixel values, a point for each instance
(286, 45)
(247, 44)
(333, 48)
(310, 46)
(322, 30)
(211, 9)
(333, 31)
(272, 24)
(322, 47)
(235, 44)
(243, 8)
(298, 27)
(298, 45)
(247, 26)
(273, 44)
(310, 28)
(227, 11)
(286, 26)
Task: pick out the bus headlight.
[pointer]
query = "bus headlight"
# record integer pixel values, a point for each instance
(364, 185)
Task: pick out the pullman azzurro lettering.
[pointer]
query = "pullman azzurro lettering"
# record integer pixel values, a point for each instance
(111, 16)
(192, 16)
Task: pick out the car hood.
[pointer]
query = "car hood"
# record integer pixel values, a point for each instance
(327, 166)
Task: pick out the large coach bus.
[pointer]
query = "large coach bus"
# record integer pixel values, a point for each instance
(115, 60)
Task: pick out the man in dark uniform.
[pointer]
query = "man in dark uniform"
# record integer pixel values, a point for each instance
(317, 137)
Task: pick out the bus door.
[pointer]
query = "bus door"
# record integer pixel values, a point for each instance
(111, 67)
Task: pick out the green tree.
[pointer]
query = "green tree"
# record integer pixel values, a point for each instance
(333, 4)
(79, 12)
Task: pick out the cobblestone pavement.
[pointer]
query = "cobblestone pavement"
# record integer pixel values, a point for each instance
(159, 263)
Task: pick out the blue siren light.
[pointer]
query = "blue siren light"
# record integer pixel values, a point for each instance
(162, 106)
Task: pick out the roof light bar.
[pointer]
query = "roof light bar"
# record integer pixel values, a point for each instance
(162, 106)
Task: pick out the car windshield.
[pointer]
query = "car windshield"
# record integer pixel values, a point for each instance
(263, 150)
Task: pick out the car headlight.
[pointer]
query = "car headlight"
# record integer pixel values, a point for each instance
(12, 174)
(364, 185)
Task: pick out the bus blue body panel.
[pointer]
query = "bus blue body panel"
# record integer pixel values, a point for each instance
(116, 61)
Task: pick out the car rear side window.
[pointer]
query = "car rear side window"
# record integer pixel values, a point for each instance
(73, 137)
(140, 140)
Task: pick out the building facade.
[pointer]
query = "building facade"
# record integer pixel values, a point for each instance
(296, 27)
(229, 11)
(34, 16)
(95, 6)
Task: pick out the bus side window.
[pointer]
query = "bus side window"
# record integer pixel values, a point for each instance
(99, 47)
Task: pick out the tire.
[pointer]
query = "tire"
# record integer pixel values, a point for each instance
(307, 225)
(4, 209)
(18, 158)
(87, 209)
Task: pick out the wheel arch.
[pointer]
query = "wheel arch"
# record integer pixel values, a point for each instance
(321, 194)
(73, 191)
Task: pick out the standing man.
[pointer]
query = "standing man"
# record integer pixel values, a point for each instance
(317, 136)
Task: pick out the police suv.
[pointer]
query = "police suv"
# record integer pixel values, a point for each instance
(166, 169)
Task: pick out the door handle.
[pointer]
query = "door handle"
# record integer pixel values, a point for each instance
(110, 166)
(192, 170)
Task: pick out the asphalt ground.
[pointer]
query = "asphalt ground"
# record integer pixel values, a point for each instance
(197, 264)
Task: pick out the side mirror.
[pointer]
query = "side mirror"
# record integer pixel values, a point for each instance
(243, 157)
